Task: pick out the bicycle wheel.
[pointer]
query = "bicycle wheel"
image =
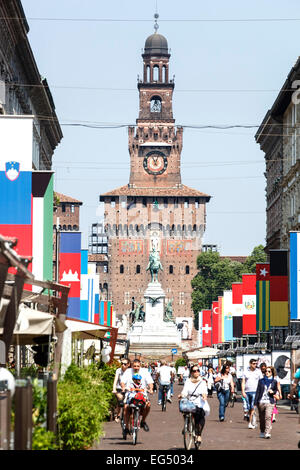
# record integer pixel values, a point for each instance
(123, 427)
(164, 401)
(188, 432)
(135, 426)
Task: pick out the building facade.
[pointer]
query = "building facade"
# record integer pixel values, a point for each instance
(278, 137)
(154, 208)
(22, 89)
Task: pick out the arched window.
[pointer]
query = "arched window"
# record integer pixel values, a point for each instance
(69, 227)
(148, 73)
(156, 73)
(171, 269)
(64, 227)
(164, 73)
(121, 268)
(138, 269)
(155, 104)
(187, 270)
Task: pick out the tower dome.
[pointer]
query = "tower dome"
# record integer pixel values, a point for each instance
(156, 44)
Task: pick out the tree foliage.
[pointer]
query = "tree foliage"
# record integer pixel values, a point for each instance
(216, 274)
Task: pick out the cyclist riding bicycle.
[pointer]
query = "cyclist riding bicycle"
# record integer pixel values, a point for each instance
(195, 389)
(117, 388)
(135, 391)
(146, 383)
(164, 377)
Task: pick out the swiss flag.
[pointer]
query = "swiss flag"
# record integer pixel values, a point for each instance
(206, 328)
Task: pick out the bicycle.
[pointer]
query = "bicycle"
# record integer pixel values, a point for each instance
(232, 399)
(189, 432)
(165, 389)
(135, 418)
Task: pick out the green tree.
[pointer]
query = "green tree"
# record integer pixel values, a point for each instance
(258, 255)
(215, 275)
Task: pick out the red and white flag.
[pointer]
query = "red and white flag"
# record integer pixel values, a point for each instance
(249, 304)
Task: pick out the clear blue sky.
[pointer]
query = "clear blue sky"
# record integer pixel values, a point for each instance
(237, 68)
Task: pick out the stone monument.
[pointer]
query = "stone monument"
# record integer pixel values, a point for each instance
(155, 333)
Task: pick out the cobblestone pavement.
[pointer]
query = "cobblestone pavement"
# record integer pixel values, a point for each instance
(232, 434)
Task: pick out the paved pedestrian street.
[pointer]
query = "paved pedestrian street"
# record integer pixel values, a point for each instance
(232, 434)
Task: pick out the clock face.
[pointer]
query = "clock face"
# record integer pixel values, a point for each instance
(155, 163)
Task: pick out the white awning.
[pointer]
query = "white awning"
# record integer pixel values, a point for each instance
(86, 330)
(32, 323)
(202, 353)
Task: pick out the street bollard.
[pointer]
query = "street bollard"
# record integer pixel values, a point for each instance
(23, 415)
(5, 416)
(52, 405)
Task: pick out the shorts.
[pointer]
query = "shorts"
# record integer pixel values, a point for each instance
(250, 396)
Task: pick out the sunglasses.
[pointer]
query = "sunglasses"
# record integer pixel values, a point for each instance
(268, 370)
(124, 363)
(195, 370)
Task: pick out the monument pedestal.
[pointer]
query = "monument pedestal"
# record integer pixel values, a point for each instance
(154, 337)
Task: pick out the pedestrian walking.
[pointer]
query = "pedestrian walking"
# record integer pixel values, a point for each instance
(210, 379)
(224, 385)
(185, 374)
(249, 385)
(173, 379)
(266, 393)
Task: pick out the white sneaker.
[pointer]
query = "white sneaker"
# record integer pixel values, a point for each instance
(250, 426)
(267, 435)
(159, 403)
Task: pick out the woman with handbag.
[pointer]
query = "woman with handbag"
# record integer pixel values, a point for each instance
(195, 390)
(265, 398)
(224, 385)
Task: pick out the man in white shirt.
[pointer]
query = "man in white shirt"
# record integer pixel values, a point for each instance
(164, 376)
(146, 383)
(249, 385)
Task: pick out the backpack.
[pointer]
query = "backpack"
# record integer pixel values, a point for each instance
(139, 399)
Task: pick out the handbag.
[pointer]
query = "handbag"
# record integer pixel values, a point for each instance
(219, 386)
(206, 408)
(186, 405)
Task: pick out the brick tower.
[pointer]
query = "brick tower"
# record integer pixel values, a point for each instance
(155, 207)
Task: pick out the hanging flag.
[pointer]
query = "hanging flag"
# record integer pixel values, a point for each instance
(249, 304)
(200, 323)
(215, 323)
(206, 328)
(221, 319)
(279, 312)
(262, 296)
(228, 318)
(70, 269)
(294, 275)
(237, 304)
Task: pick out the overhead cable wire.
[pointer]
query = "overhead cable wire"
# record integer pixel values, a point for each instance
(144, 20)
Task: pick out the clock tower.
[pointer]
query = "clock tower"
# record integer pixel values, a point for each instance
(154, 207)
(155, 145)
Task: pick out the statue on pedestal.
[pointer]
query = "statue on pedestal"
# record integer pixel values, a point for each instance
(137, 314)
(154, 264)
(168, 314)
